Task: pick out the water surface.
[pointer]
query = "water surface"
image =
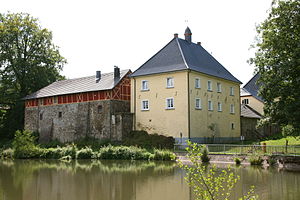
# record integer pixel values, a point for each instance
(127, 180)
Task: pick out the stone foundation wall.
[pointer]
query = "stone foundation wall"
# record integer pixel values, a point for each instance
(106, 119)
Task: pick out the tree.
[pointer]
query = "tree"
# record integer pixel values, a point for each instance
(28, 61)
(209, 184)
(277, 60)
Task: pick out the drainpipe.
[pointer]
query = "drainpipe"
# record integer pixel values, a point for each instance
(189, 112)
(134, 104)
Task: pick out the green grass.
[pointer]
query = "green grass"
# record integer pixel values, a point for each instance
(282, 141)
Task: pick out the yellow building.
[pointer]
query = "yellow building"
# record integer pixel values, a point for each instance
(183, 92)
(250, 97)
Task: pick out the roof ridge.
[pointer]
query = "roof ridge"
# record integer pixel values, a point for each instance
(181, 52)
(250, 80)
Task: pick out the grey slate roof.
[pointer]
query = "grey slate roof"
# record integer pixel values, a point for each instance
(247, 111)
(252, 88)
(78, 85)
(180, 54)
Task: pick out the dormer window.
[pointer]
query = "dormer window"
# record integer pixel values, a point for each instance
(145, 85)
(170, 82)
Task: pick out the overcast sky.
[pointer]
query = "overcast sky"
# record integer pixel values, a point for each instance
(98, 34)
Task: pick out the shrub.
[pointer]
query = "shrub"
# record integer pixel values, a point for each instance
(7, 153)
(53, 153)
(256, 160)
(271, 161)
(123, 152)
(23, 144)
(204, 156)
(237, 161)
(85, 153)
(149, 141)
(163, 155)
(70, 150)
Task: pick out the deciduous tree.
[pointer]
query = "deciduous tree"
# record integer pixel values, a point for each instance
(277, 60)
(28, 61)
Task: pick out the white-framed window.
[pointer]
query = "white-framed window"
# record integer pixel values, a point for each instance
(231, 108)
(219, 87)
(210, 105)
(170, 103)
(219, 107)
(245, 101)
(198, 103)
(231, 91)
(209, 86)
(145, 105)
(170, 82)
(197, 83)
(145, 85)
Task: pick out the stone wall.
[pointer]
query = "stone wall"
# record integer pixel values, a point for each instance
(105, 119)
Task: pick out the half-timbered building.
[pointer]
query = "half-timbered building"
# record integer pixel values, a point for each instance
(95, 106)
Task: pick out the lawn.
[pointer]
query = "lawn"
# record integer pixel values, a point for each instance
(282, 141)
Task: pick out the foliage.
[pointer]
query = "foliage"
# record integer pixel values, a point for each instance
(23, 144)
(255, 160)
(7, 153)
(237, 161)
(271, 161)
(278, 64)
(289, 130)
(163, 155)
(149, 141)
(85, 153)
(28, 61)
(123, 152)
(209, 184)
(204, 154)
(282, 141)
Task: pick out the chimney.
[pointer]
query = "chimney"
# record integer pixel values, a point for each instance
(188, 34)
(98, 76)
(116, 72)
(199, 43)
(175, 35)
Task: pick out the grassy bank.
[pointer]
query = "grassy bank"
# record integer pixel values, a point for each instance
(282, 141)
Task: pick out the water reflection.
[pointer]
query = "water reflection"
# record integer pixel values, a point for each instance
(126, 180)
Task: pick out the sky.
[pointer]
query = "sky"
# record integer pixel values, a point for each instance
(100, 34)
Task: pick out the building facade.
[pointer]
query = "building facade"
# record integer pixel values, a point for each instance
(95, 106)
(183, 92)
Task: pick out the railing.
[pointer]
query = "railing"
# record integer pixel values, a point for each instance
(245, 149)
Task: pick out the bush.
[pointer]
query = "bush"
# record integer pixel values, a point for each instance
(7, 153)
(163, 155)
(271, 161)
(149, 141)
(256, 160)
(85, 153)
(123, 152)
(23, 145)
(204, 156)
(237, 161)
(70, 150)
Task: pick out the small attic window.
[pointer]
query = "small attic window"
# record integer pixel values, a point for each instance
(100, 108)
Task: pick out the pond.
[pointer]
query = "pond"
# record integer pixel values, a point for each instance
(127, 180)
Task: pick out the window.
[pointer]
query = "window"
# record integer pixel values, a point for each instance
(231, 108)
(170, 103)
(209, 86)
(145, 105)
(210, 105)
(170, 82)
(198, 103)
(231, 91)
(41, 116)
(59, 114)
(145, 85)
(245, 101)
(232, 126)
(197, 83)
(41, 102)
(219, 107)
(100, 108)
(219, 87)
